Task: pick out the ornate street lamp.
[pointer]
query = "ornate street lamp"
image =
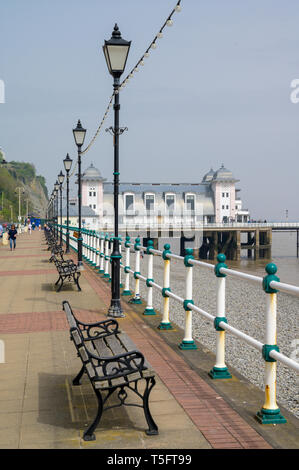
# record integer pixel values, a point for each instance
(116, 52)
(56, 189)
(79, 136)
(61, 180)
(67, 165)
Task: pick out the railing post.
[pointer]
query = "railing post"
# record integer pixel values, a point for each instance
(220, 370)
(270, 413)
(188, 342)
(97, 251)
(149, 310)
(136, 299)
(120, 250)
(126, 290)
(107, 258)
(111, 240)
(95, 248)
(102, 254)
(165, 323)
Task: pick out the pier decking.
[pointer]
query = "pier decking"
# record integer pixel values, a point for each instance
(39, 407)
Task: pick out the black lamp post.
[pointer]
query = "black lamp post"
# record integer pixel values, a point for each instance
(116, 52)
(56, 189)
(61, 180)
(67, 165)
(79, 136)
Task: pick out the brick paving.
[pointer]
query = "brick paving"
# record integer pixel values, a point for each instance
(200, 410)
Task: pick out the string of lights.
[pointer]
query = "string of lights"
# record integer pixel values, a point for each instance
(168, 22)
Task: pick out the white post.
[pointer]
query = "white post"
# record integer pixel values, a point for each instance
(102, 254)
(126, 290)
(270, 413)
(220, 371)
(165, 323)
(97, 250)
(94, 252)
(149, 310)
(120, 270)
(136, 299)
(106, 272)
(188, 342)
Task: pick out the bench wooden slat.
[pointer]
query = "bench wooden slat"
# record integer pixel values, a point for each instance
(130, 346)
(115, 345)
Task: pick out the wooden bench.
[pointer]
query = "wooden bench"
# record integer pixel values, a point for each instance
(68, 271)
(112, 362)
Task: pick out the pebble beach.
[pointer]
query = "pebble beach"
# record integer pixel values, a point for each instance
(245, 310)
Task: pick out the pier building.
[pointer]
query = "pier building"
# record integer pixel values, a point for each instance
(198, 215)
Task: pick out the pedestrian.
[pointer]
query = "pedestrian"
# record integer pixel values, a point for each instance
(33, 225)
(29, 227)
(12, 236)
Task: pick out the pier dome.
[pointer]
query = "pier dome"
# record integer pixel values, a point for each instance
(223, 174)
(208, 176)
(92, 173)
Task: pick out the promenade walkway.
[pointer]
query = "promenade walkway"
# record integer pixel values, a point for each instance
(39, 407)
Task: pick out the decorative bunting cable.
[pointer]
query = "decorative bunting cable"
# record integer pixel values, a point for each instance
(152, 45)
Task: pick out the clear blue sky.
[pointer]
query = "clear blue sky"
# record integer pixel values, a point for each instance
(216, 90)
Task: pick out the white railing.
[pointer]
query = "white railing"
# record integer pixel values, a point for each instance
(97, 250)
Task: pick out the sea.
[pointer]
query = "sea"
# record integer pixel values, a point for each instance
(284, 255)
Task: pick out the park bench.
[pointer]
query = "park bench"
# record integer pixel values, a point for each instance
(112, 362)
(68, 271)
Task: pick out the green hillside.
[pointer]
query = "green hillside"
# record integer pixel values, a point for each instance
(22, 175)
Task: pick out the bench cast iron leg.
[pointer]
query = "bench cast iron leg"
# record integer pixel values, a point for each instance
(89, 435)
(57, 281)
(152, 427)
(59, 288)
(77, 379)
(76, 279)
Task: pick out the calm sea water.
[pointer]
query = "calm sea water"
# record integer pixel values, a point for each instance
(284, 255)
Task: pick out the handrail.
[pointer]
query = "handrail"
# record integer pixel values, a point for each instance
(97, 250)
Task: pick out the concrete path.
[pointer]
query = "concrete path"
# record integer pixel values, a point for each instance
(39, 406)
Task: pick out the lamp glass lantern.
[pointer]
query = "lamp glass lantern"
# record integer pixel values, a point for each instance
(67, 163)
(79, 134)
(116, 52)
(61, 177)
(56, 186)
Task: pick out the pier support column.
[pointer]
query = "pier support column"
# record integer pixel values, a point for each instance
(257, 244)
(238, 246)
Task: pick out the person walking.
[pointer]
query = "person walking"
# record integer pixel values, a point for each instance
(12, 236)
(29, 227)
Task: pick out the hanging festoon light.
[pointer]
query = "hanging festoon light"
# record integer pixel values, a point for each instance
(117, 61)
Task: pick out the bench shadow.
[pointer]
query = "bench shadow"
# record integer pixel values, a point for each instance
(52, 288)
(61, 404)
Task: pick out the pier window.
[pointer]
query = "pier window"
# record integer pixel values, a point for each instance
(190, 202)
(129, 203)
(170, 203)
(150, 202)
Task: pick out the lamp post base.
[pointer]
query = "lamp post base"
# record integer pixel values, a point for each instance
(115, 311)
(80, 266)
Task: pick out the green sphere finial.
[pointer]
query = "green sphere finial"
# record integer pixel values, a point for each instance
(189, 251)
(271, 268)
(221, 258)
(150, 243)
(166, 246)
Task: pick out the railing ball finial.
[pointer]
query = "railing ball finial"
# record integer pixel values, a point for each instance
(166, 251)
(221, 258)
(271, 270)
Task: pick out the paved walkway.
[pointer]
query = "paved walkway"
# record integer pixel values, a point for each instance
(39, 407)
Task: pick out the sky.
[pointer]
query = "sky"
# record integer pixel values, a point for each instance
(216, 90)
